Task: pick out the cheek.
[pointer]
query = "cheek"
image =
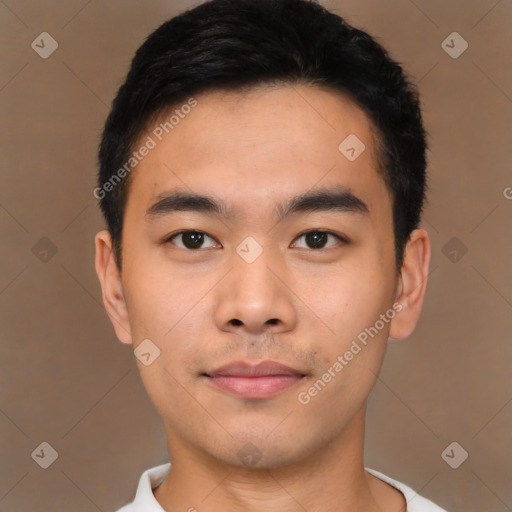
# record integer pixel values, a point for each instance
(175, 313)
(160, 299)
(352, 349)
(347, 301)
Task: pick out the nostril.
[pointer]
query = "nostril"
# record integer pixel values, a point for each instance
(235, 321)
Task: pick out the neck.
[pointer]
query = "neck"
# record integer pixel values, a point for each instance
(332, 479)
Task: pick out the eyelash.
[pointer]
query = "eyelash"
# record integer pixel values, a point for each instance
(318, 231)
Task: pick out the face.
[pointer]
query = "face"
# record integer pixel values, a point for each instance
(288, 258)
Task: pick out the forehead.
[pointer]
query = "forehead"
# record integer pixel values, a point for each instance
(260, 146)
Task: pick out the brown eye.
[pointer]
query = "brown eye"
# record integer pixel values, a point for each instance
(192, 240)
(317, 239)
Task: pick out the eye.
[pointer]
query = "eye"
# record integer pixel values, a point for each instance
(318, 239)
(195, 240)
(192, 240)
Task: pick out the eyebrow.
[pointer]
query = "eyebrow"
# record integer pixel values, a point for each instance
(326, 199)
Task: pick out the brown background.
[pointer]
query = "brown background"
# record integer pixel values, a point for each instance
(66, 380)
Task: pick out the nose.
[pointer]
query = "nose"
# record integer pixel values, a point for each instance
(256, 298)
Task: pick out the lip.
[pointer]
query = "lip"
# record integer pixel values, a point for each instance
(259, 381)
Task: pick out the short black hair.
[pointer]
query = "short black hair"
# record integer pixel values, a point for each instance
(239, 44)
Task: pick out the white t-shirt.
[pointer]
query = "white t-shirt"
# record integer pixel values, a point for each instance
(145, 500)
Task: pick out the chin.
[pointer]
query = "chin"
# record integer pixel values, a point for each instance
(264, 451)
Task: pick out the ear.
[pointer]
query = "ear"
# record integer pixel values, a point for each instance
(412, 284)
(111, 286)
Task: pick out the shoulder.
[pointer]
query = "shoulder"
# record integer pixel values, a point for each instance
(144, 499)
(415, 502)
(126, 508)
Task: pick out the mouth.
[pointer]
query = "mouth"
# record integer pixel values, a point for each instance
(263, 380)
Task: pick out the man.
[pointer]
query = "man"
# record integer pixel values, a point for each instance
(262, 175)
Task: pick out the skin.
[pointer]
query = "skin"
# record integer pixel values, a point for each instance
(295, 304)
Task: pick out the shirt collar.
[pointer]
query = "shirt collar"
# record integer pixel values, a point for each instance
(145, 500)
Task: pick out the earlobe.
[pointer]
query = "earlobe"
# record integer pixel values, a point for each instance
(412, 284)
(111, 286)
